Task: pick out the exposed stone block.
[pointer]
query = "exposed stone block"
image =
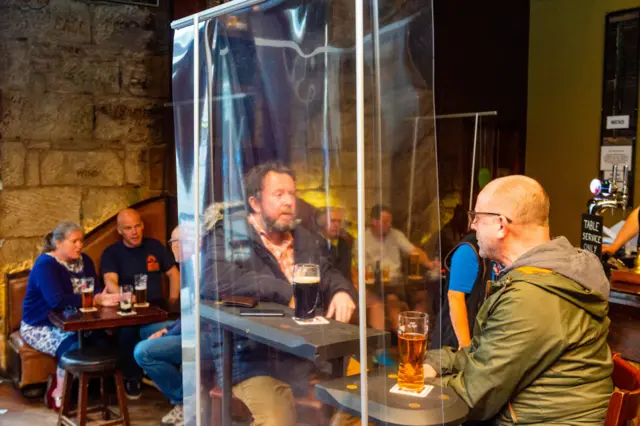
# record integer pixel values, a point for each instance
(61, 20)
(128, 119)
(146, 75)
(40, 117)
(157, 170)
(14, 64)
(12, 168)
(99, 205)
(34, 212)
(18, 250)
(123, 26)
(76, 69)
(101, 168)
(135, 164)
(32, 171)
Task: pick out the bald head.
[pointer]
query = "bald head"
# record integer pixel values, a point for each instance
(520, 198)
(130, 226)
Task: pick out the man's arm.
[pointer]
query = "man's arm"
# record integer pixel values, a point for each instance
(459, 317)
(174, 284)
(409, 249)
(517, 341)
(111, 282)
(628, 231)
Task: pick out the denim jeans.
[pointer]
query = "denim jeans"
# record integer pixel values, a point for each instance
(160, 358)
(128, 338)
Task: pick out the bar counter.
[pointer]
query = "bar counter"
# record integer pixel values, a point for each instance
(624, 312)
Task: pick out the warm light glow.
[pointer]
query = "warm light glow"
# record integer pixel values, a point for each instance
(595, 186)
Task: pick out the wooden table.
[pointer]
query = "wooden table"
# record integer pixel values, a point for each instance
(105, 317)
(332, 341)
(441, 406)
(624, 313)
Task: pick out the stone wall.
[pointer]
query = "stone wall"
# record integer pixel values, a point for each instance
(84, 125)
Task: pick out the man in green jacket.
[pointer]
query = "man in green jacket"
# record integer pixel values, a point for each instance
(539, 352)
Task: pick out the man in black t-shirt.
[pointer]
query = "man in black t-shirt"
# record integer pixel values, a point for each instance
(120, 262)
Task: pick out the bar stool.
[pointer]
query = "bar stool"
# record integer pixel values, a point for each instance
(87, 364)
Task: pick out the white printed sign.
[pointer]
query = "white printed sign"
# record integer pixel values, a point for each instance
(618, 122)
(615, 156)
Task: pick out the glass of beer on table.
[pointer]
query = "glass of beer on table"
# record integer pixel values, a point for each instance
(415, 267)
(87, 288)
(140, 287)
(412, 347)
(126, 293)
(306, 290)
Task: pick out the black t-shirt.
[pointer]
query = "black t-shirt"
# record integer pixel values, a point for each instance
(150, 257)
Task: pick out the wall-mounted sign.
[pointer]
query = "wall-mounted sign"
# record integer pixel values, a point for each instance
(615, 156)
(618, 122)
(591, 234)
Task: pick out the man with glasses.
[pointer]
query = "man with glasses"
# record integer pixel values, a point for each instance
(539, 352)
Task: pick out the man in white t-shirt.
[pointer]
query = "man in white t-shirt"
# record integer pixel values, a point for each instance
(387, 245)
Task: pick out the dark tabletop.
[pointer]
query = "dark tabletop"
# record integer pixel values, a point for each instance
(313, 342)
(441, 406)
(106, 317)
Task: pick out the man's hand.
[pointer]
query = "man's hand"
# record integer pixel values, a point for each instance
(158, 333)
(341, 307)
(607, 249)
(429, 372)
(107, 299)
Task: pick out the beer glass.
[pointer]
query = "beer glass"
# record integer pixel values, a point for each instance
(140, 288)
(306, 290)
(126, 293)
(412, 347)
(87, 287)
(369, 275)
(415, 270)
(386, 273)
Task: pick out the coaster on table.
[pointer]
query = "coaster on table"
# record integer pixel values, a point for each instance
(141, 305)
(315, 321)
(126, 314)
(84, 310)
(424, 393)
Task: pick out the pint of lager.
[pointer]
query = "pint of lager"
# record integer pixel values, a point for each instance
(141, 289)
(87, 290)
(125, 298)
(412, 347)
(306, 290)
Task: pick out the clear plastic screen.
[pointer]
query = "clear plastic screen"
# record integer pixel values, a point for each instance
(275, 82)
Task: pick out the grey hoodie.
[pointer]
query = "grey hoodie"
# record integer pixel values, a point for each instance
(559, 256)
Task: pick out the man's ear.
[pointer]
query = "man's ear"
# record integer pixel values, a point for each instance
(255, 204)
(119, 231)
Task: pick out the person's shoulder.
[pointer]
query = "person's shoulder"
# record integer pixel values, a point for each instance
(152, 243)
(113, 248)
(397, 234)
(86, 259)
(43, 259)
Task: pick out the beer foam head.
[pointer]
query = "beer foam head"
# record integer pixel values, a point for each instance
(306, 280)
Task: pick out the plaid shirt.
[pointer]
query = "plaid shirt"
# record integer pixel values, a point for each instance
(283, 252)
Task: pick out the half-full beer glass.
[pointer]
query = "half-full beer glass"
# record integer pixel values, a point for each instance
(412, 347)
(306, 290)
(140, 287)
(125, 298)
(87, 287)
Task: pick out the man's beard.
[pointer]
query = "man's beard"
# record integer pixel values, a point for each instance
(272, 225)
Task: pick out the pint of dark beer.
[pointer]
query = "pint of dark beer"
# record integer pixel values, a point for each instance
(87, 291)
(412, 348)
(306, 290)
(125, 298)
(141, 289)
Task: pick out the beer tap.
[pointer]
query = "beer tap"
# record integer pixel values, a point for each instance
(607, 193)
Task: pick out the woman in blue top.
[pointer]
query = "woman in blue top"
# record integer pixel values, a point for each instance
(54, 283)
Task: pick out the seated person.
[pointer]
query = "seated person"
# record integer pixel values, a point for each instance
(54, 283)
(256, 260)
(160, 355)
(541, 354)
(386, 245)
(120, 262)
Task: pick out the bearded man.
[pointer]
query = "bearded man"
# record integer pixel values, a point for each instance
(253, 255)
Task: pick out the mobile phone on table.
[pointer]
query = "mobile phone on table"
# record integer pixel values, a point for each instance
(261, 313)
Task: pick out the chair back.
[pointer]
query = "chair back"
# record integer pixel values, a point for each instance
(625, 400)
(16, 289)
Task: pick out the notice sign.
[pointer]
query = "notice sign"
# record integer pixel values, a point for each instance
(618, 122)
(591, 235)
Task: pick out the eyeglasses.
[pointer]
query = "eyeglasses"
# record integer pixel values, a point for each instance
(472, 216)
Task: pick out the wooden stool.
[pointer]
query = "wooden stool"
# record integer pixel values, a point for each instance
(85, 365)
